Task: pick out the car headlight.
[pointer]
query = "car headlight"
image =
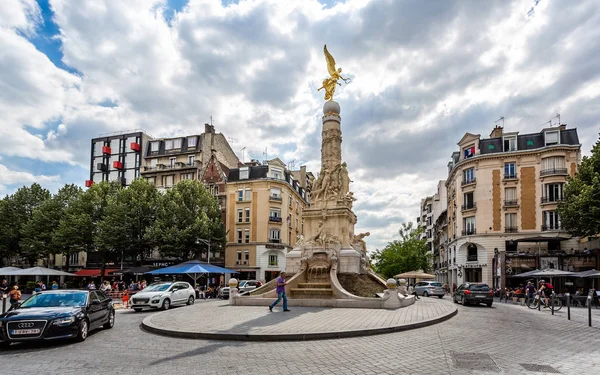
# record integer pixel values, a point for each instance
(64, 321)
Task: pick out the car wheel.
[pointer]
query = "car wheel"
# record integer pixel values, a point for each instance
(489, 304)
(425, 294)
(137, 310)
(166, 304)
(454, 300)
(440, 297)
(111, 320)
(4, 344)
(190, 301)
(83, 331)
(463, 301)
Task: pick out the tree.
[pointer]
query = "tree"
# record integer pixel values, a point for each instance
(9, 233)
(38, 233)
(579, 211)
(186, 213)
(407, 254)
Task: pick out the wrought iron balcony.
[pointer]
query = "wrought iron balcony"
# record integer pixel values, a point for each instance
(468, 181)
(551, 199)
(551, 227)
(275, 197)
(510, 202)
(469, 232)
(466, 207)
(511, 230)
(510, 176)
(553, 171)
(275, 219)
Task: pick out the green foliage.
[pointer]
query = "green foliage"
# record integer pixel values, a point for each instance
(404, 255)
(186, 213)
(579, 212)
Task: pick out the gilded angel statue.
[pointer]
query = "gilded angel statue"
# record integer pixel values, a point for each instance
(330, 83)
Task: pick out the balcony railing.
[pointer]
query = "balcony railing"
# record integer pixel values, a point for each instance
(510, 176)
(551, 199)
(468, 232)
(550, 227)
(275, 197)
(552, 171)
(511, 230)
(178, 165)
(275, 219)
(468, 181)
(466, 207)
(274, 240)
(472, 258)
(511, 202)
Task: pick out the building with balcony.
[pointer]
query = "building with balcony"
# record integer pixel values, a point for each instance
(264, 217)
(117, 157)
(431, 209)
(503, 193)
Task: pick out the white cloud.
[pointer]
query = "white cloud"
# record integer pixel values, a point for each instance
(10, 177)
(422, 75)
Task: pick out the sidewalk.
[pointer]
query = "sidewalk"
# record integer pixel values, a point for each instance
(578, 314)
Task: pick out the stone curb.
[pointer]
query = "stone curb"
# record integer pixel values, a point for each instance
(149, 327)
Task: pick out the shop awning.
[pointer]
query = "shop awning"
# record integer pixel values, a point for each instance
(95, 272)
(542, 239)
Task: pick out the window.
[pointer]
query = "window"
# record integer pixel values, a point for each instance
(151, 180)
(273, 260)
(510, 170)
(552, 193)
(428, 233)
(429, 220)
(244, 173)
(275, 193)
(510, 222)
(510, 195)
(191, 159)
(187, 176)
(553, 164)
(246, 256)
(468, 201)
(247, 192)
(510, 143)
(276, 173)
(153, 163)
(469, 225)
(472, 253)
(172, 162)
(274, 235)
(177, 143)
(469, 175)
(239, 257)
(275, 213)
(290, 201)
(240, 215)
(247, 215)
(551, 220)
(247, 235)
(239, 236)
(169, 144)
(240, 195)
(154, 146)
(74, 258)
(552, 138)
(168, 181)
(192, 142)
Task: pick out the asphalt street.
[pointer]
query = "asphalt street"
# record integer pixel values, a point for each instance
(479, 340)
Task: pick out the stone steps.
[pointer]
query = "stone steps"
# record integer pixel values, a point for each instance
(315, 285)
(311, 293)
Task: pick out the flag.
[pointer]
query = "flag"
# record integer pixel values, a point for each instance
(469, 152)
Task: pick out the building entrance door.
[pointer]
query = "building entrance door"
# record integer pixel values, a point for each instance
(473, 275)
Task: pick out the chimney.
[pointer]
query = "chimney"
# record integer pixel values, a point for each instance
(303, 176)
(496, 132)
(209, 128)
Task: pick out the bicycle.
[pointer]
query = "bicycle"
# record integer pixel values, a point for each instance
(533, 303)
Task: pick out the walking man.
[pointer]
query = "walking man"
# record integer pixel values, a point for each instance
(280, 293)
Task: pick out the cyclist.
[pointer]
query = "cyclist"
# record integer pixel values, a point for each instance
(545, 291)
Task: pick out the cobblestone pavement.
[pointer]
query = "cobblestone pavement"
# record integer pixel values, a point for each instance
(503, 337)
(257, 321)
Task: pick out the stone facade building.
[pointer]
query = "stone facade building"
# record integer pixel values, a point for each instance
(503, 193)
(264, 217)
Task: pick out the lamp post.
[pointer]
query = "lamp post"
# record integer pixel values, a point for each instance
(206, 242)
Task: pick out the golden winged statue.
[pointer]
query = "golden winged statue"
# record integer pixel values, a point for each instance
(330, 83)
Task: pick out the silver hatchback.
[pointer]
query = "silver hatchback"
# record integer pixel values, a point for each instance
(429, 288)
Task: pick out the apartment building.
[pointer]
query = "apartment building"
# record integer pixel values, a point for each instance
(503, 193)
(117, 157)
(264, 217)
(431, 209)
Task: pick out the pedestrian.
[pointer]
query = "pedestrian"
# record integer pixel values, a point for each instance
(125, 299)
(453, 289)
(38, 287)
(281, 283)
(4, 287)
(15, 296)
(43, 285)
(54, 285)
(529, 292)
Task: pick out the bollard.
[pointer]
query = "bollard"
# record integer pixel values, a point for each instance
(4, 303)
(589, 311)
(552, 302)
(540, 303)
(569, 306)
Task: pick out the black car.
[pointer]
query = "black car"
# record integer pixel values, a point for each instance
(57, 314)
(475, 293)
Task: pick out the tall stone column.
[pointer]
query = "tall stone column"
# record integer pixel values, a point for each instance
(331, 136)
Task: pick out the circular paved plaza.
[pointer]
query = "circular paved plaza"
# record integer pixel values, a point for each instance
(478, 340)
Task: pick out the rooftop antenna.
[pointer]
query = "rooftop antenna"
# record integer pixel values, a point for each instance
(500, 119)
(243, 149)
(557, 116)
(265, 155)
(210, 120)
(231, 140)
(292, 165)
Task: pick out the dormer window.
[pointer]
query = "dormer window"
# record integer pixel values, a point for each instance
(276, 173)
(510, 143)
(244, 173)
(552, 138)
(469, 152)
(169, 144)
(191, 141)
(154, 146)
(177, 143)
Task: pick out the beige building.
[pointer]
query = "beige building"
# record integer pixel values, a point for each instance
(264, 217)
(503, 193)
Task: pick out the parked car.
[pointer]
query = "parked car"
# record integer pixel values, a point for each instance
(475, 293)
(430, 288)
(163, 295)
(57, 314)
(248, 285)
(224, 292)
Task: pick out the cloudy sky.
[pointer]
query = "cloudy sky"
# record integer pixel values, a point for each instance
(423, 73)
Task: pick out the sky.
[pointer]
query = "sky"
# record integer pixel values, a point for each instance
(423, 73)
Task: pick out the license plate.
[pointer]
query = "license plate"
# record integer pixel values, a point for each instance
(24, 331)
(479, 296)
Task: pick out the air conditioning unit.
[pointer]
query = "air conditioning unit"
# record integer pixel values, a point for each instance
(101, 167)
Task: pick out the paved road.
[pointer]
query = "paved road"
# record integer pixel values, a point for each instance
(504, 337)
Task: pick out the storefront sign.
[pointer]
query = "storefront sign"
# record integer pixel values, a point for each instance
(477, 265)
(548, 262)
(515, 266)
(272, 246)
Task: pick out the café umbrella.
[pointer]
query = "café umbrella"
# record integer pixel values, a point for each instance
(193, 268)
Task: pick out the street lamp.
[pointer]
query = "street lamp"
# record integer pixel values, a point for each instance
(206, 242)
